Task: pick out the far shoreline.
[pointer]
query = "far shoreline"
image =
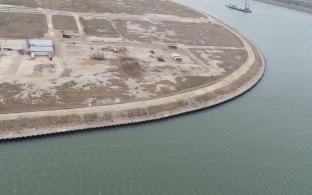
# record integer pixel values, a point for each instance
(285, 6)
(139, 114)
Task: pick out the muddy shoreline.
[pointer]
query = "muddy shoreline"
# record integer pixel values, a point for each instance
(138, 112)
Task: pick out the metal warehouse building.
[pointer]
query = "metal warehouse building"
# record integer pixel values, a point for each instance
(41, 47)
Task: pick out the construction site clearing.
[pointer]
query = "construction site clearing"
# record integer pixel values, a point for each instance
(112, 59)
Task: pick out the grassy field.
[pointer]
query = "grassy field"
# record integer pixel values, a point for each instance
(4, 23)
(28, 3)
(99, 27)
(17, 25)
(173, 32)
(64, 22)
(84, 5)
(110, 6)
(161, 7)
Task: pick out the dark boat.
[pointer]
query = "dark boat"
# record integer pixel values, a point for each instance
(245, 9)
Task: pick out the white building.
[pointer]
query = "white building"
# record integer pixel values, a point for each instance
(41, 47)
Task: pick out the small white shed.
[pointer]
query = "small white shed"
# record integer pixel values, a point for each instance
(176, 57)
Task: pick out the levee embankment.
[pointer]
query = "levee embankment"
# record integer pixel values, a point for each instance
(24, 125)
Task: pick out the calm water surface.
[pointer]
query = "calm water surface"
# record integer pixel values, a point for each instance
(260, 143)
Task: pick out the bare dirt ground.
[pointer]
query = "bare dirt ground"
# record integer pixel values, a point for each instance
(216, 60)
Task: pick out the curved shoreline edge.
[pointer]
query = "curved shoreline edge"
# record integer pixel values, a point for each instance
(193, 107)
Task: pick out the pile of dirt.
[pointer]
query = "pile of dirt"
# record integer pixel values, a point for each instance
(130, 66)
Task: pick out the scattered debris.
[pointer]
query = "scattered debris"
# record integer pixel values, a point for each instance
(21, 51)
(160, 59)
(107, 48)
(65, 35)
(130, 66)
(41, 69)
(172, 47)
(7, 49)
(99, 55)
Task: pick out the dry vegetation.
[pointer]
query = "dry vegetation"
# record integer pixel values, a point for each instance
(18, 25)
(91, 119)
(161, 7)
(110, 6)
(64, 22)
(244, 78)
(98, 27)
(177, 32)
(67, 96)
(28, 3)
(231, 59)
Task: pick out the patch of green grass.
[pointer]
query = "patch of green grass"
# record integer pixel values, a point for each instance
(99, 27)
(4, 22)
(64, 22)
(28, 3)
